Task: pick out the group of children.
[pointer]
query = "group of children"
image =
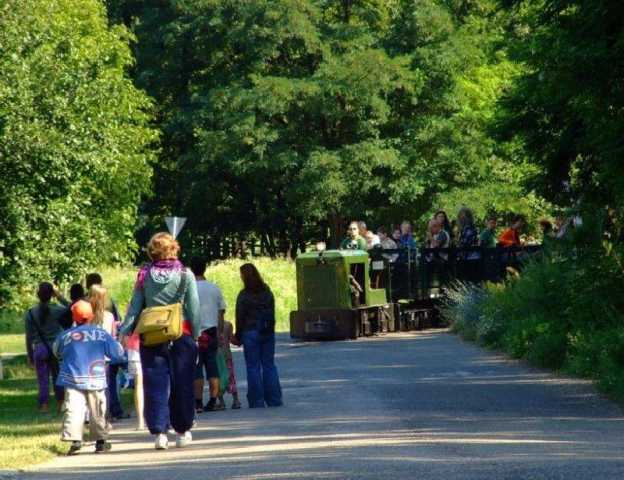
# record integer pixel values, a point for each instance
(88, 350)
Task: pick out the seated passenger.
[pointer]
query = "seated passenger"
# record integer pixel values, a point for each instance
(396, 235)
(370, 237)
(387, 243)
(384, 240)
(441, 216)
(437, 237)
(371, 240)
(353, 241)
(468, 235)
(487, 239)
(407, 239)
(467, 269)
(511, 236)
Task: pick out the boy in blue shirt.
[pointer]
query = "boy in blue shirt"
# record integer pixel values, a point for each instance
(84, 351)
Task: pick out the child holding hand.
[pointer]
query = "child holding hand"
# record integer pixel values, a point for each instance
(84, 351)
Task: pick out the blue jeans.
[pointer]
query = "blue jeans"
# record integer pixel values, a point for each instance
(263, 385)
(168, 375)
(112, 394)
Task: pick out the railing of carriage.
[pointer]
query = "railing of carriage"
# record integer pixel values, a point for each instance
(409, 273)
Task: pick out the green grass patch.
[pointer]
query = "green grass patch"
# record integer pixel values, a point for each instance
(12, 343)
(26, 436)
(278, 274)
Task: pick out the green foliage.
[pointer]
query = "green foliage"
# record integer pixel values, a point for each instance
(278, 115)
(566, 107)
(565, 311)
(74, 142)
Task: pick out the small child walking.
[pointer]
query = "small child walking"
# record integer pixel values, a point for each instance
(83, 351)
(225, 340)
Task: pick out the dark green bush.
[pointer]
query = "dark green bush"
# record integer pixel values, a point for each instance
(565, 311)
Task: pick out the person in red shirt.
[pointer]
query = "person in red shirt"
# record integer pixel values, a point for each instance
(511, 236)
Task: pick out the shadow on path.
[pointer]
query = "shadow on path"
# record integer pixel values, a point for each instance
(419, 405)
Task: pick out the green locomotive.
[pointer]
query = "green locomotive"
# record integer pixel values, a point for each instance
(335, 297)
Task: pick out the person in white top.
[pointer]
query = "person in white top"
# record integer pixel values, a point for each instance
(371, 238)
(212, 309)
(98, 297)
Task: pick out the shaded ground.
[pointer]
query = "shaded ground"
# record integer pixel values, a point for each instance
(422, 405)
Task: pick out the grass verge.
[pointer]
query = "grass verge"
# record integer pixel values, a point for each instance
(26, 437)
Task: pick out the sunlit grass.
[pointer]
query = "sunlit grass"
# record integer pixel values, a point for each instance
(26, 436)
(12, 343)
(278, 274)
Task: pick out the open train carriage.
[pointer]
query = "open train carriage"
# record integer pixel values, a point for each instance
(335, 298)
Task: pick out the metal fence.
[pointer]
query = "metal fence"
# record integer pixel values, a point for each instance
(408, 273)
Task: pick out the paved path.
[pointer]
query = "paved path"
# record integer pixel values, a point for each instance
(422, 405)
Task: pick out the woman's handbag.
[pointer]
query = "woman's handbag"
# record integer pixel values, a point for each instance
(162, 324)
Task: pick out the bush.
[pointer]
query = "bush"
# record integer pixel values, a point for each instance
(565, 311)
(462, 308)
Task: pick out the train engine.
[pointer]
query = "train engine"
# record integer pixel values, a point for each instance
(335, 299)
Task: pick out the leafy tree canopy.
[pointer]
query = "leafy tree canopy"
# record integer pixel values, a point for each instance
(567, 107)
(74, 142)
(280, 114)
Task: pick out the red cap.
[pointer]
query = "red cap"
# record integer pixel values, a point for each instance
(82, 312)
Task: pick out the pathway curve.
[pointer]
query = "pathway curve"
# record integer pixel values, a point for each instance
(402, 406)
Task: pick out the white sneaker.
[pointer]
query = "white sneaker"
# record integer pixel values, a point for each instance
(162, 442)
(184, 440)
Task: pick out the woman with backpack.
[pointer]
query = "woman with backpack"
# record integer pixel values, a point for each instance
(255, 330)
(168, 367)
(43, 324)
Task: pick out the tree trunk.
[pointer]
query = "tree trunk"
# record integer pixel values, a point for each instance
(336, 229)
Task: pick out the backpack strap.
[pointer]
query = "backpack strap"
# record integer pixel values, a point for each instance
(41, 337)
(181, 293)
